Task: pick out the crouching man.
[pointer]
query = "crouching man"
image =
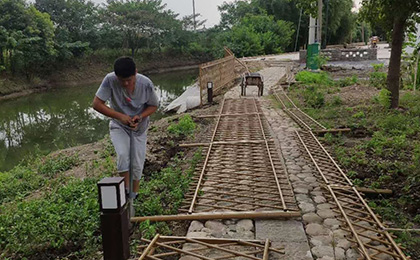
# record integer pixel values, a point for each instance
(132, 100)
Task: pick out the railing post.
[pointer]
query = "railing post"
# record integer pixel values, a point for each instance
(114, 218)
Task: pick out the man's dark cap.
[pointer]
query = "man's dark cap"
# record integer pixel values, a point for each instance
(124, 67)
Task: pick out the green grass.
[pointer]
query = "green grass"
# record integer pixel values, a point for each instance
(62, 220)
(26, 178)
(164, 192)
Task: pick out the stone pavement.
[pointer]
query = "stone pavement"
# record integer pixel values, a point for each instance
(317, 235)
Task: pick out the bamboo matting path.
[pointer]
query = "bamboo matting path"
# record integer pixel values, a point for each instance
(370, 235)
(243, 171)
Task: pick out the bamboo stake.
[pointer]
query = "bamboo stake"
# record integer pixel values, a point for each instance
(403, 229)
(149, 248)
(365, 190)
(226, 143)
(271, 160)
(233, 115)
(222, 249)
(206, 161)
(221, 215)
(266, 248)
(214, 240)
(339, 130)
(179, 250)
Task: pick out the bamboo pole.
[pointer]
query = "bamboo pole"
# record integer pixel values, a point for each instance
(179, 250)
(243, 114)
(271, 160)
(206, 160)
(266, 248)
(222, 249)
(149, 247)
(227, 143)
(221, 215)
(403, 229)
(365, 190)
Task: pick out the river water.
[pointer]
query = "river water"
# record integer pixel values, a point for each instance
(63, 117)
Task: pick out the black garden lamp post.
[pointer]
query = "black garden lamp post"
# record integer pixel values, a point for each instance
(114, 218)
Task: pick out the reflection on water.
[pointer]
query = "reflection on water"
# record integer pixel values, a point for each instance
(63, 118)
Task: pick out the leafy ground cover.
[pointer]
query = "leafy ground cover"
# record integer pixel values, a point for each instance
(383, 150)
(49, 206)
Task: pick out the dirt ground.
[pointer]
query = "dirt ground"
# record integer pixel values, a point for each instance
(355, 95)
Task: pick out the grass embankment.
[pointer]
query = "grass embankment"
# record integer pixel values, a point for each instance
(383, 150)
(46, 213)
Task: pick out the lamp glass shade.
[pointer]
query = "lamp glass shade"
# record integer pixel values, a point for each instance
(122, 194)
(210, 84)
(109, 197)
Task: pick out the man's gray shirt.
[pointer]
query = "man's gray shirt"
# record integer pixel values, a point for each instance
(144, 95)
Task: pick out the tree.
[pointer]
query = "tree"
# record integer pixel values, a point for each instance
(28, 35)
(260, 34)
(139, 20)
(395, 17)
(76, 20)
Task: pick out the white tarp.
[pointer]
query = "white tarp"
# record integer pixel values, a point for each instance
(188, 100)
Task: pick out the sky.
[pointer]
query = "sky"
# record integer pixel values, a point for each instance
(207, 8)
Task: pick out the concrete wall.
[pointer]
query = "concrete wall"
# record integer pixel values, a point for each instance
(345, 54)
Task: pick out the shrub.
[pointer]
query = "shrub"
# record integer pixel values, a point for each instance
(384, 98)
(313, 97)
(348, 81)
(308, 77)
(377, 78)
(185, 126)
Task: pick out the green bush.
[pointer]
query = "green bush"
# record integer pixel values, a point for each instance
(378, 78)
(307, 77)
(184, 127)
(384, 98)
(348, 81)
(313, 97)
(321, 60)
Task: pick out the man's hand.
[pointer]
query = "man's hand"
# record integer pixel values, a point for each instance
(136, 121)
(126, 120)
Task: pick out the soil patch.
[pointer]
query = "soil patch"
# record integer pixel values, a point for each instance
(355, 95)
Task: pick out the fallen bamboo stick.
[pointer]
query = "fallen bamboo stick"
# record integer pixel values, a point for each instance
(243, 114)
(221, 215)
(149, 247)
(324, 131)
(365, 190)
(227, 143)
(403, 229)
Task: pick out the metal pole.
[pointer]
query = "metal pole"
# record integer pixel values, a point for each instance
(298, 29)
(194, 15)
(312, 28)
(130, 191)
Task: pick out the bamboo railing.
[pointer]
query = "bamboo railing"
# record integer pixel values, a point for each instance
(221, 72)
